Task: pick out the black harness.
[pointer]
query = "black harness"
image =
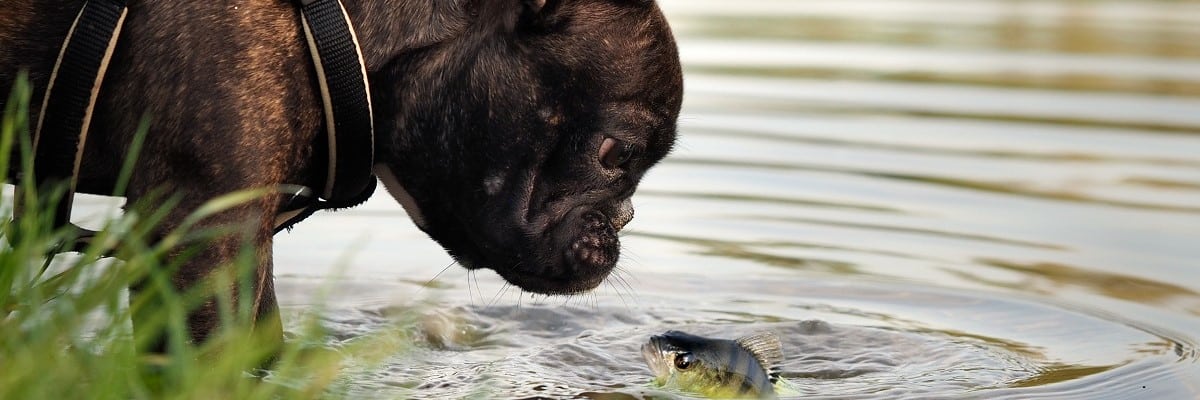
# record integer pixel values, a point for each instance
(75, 82)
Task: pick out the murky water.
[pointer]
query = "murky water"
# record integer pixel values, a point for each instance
(924, 199)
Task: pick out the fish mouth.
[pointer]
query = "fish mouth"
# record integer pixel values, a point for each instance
(654, 358)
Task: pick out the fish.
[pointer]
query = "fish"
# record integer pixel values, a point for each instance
(746, 367)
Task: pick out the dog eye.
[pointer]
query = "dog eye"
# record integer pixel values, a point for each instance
(615, 153)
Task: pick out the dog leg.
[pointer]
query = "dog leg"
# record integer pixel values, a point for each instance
(216, 270)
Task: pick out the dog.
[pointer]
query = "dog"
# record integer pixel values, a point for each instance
(513, 132)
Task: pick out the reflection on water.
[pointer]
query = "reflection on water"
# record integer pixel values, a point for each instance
(925, 199)
(1050, 278)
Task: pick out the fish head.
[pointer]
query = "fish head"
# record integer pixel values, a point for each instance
(677, 358)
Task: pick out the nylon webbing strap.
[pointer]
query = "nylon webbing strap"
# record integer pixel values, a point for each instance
(342, 77)
(62, 126)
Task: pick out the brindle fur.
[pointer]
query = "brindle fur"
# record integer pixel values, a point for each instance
(463, 90)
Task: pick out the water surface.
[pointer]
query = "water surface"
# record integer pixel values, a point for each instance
(924, 199)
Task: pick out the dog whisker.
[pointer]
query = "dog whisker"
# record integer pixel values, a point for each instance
(475, 279)
(500, 293)
(625, 275)
(620, 275)
(469, 292)
(629, 256)
(617, 289)
(435, 276)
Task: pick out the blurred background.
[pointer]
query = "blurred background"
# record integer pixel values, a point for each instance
(924, 198)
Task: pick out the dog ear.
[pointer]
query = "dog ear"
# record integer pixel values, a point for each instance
(539, 14)
(511, 15)
(534, 6)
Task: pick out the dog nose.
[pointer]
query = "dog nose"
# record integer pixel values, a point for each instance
(622, 214)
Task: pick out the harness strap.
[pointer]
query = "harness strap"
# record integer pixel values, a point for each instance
(349, 120)
(62, 125)
(75, 81)
(342, 77)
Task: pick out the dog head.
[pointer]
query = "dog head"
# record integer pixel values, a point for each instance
(518, 144)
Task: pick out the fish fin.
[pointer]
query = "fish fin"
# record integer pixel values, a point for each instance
(766, 348)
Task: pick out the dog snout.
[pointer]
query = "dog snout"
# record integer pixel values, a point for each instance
(622, 214)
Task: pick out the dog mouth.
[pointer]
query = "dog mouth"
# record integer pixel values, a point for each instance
(570, 256)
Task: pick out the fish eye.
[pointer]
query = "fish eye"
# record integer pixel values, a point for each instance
(684, 361)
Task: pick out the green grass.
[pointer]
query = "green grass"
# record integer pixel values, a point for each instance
(65, 329)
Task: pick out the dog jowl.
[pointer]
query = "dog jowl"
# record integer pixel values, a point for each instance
(512, 131)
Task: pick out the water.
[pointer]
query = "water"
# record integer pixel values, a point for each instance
(924, 199)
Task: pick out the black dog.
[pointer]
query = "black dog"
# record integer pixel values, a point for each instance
(513, 131)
